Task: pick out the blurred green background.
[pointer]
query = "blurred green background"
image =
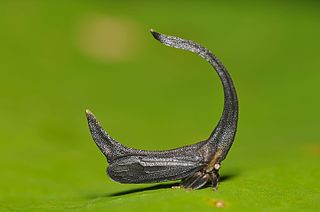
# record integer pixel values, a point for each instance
(58, 58)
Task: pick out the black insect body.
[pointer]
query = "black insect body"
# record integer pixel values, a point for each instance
(195, 164)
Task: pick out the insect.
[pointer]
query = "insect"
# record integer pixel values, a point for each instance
(197, 164)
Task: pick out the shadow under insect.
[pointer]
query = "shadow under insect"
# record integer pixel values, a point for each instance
(156, 187)
(166, 186)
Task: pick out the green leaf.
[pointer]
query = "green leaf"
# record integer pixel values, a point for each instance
(58, 59)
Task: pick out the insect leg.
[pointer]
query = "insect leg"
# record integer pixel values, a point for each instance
(214, 176)
(196, 181)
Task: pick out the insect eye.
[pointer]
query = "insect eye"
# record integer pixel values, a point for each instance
(217, 166)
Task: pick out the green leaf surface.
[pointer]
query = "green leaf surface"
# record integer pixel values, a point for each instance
(59, 58)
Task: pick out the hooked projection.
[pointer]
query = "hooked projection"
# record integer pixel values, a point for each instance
(196, 164)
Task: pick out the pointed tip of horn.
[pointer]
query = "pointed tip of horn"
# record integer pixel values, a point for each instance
(155, 34)
(92, 121)
(88, 112)
(90, 115)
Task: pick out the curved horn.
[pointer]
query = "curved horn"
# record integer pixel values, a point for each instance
(108, 146)
(223, 135)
